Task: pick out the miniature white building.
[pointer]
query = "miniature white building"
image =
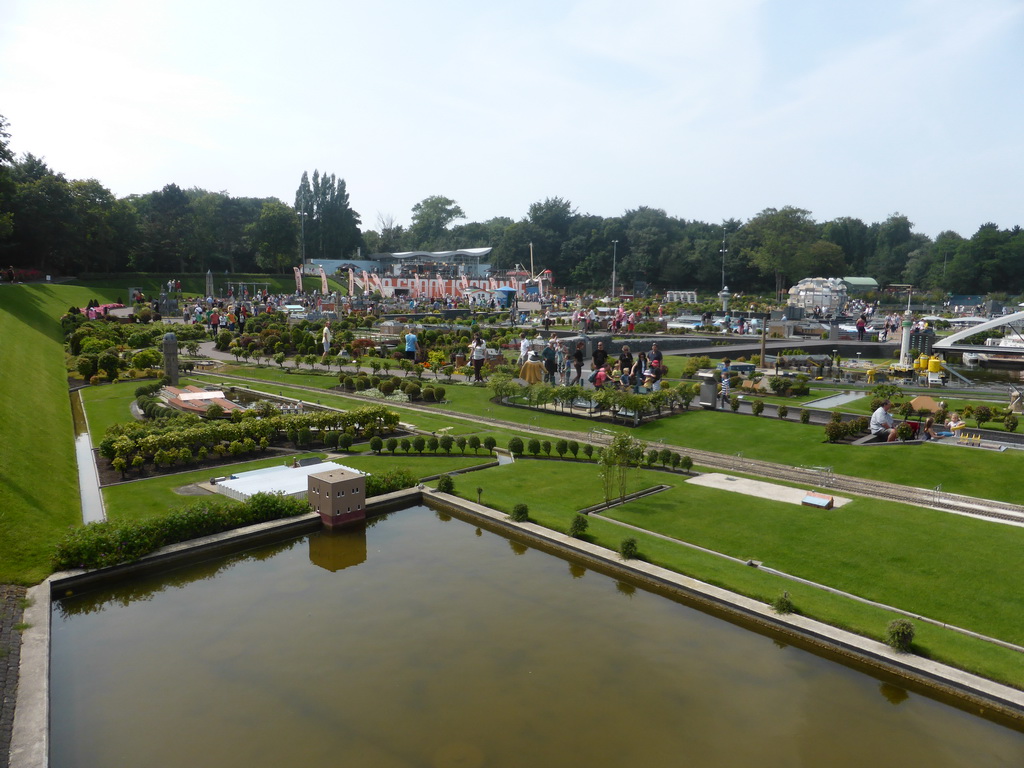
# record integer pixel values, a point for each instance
(826, 293)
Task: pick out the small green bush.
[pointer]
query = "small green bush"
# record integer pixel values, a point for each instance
(387, 482)
(1010, 422)
(982, 414)
(900, 634)
(520, 513)
(578, 526)
(629, 549)
(805, 416)
(445, 484)
(835, 431)
(515, 446)
(783, 603)
(783, 411)
(757, 407)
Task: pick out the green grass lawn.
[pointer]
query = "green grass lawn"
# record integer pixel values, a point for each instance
(39, 493)
(947, 567)
(155, 496)
(106, 405)
(959, 470)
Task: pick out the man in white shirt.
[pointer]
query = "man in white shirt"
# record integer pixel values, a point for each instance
(524, 348)
(882, 423)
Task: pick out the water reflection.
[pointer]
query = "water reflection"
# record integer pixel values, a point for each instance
(337, 550)
(518, 547)
(625, 588)
(893, 693)
(144, 588)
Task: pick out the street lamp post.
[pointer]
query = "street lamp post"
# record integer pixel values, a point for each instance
(723, 251)
(615, 256)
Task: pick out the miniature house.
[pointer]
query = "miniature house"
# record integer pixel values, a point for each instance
(338, 496)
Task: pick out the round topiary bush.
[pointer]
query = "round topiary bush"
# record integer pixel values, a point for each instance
(629, 549)
(445, 484)
(805, 416)
(579, 526)
(900, 634)
(387, 387)
(783, 411)
(757, 407)
(783, 603)
(520, 513)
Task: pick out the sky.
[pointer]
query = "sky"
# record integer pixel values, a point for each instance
(707, 110)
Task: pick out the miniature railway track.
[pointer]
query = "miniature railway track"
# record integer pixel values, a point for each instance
(818, 477)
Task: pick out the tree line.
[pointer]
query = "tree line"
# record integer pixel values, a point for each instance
(63, 226)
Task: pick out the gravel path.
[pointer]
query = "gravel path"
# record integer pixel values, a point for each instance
(11, 602)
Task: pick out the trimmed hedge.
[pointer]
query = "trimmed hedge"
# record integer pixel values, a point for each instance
(99, 545)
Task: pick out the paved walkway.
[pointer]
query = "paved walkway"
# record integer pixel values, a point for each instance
(835, 401)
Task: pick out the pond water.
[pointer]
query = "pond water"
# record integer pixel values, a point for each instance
(421, 640)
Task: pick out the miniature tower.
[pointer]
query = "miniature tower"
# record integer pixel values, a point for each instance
(171, 358)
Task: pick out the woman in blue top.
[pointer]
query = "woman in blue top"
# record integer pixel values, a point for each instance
(412, 345)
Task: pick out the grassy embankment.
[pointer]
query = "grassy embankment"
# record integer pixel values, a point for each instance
(39, 493)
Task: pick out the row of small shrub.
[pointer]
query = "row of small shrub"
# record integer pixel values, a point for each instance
(433, 443)
(836, 429)
(99, 545)
(899, 633)
(652, 456)
(414, 389)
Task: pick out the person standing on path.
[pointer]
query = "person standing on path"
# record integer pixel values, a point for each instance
(477, 350)
(599, 358)
(412, 345)
(326, 338)
(524, 348)
(577, 362)
(655, 354)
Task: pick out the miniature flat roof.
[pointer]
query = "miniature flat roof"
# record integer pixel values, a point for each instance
(284, 479)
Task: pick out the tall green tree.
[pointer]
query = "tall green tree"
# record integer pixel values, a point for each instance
(6, 183)
(165, 223)
(275, 235)
(431, 218)
(778, 239)
(329, 227)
